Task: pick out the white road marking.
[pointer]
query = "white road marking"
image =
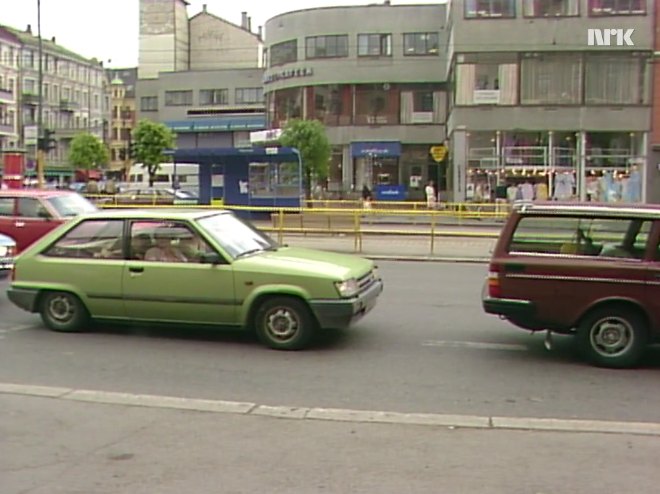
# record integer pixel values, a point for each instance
(4, 330)
(336, 414)
(475, 345)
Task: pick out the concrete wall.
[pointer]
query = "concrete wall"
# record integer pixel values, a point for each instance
(163, 37)
(218, 44)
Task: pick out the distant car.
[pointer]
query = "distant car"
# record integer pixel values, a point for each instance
(7, 253)
(156, 197)
(190, 267)
(588, 270)
(28, 214)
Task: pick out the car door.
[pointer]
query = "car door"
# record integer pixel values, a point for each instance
(8, 216)
(653, 291)
(33, 220)
(176, 290)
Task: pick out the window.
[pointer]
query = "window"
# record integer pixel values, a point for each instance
(285, 52)
(29, 86)
(274, 180)
(249, 95)
(31, 208)
(166, 242)
(420, 44)
(486, 79)
(617, 7)
(588, 236)
(332, 104)
(477, 9)
(178, 98)
(212, 97)
(614, 79)
(70, 205)
(374, 45)
(377, 104)
(550, 8)
(6, 206)
(91, 239)
(550, 79)
(28, 59)
(326, 46)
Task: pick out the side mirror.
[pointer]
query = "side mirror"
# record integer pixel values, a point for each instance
(211, 258)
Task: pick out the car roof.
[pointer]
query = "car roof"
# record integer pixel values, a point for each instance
(590, 209)
(156, 214)
(37, 192)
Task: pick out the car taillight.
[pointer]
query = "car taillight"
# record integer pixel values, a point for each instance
(494, 287)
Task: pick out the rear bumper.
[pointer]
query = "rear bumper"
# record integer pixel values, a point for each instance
(340, 314)
(505, 307)
(24, 298)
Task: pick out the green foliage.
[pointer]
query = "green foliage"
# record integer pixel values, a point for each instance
(88, 151)
(309, 137)
(150, 139)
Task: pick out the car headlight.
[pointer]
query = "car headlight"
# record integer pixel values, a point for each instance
(347, 288)
(4, 250)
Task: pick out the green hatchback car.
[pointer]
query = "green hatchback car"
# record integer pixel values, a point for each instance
(193, 267)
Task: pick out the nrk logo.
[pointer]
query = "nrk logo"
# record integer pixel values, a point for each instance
(610, 37)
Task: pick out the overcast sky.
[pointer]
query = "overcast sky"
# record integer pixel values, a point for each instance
(108, 29)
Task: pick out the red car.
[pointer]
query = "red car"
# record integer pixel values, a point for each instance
(28, 214)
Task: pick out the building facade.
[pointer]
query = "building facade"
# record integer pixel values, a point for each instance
(122, 119)
(653, 178)
(375, 76)
(9, 73)
(73, 99)
(216, 97)
(542, 95)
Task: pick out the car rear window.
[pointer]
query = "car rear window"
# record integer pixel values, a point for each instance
(582, 236)
(71, 205)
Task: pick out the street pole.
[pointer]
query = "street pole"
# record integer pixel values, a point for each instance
(40, 115)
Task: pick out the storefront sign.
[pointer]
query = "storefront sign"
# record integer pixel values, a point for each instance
(288, 74)
(486, 97)
(390, 193)
(376, 149)
(438, 153)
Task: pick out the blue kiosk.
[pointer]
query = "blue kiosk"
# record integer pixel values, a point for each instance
(255, 176)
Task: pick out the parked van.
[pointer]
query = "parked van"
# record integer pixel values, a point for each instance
(187, 176)
(587, 270)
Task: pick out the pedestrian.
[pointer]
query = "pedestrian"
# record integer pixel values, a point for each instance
(366, 197)
(429, 190)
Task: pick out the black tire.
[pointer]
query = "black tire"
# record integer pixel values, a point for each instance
(613, 336)
(284, 323)
(63, 312)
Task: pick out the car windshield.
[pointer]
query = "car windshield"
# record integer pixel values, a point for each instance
(235, 236)
(70, 205)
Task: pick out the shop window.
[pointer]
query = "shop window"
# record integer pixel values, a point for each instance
(376, 104)
(612, 79)
(334, 46)
(287, 105)
(274, 180)
(478, 9)
(374, 45)
(486, 82)
(617, 7)
(415, 44)
(550, 8)
(554, 79)
(285, 52)
(332, 104)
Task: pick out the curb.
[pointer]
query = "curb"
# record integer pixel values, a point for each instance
(454, 260)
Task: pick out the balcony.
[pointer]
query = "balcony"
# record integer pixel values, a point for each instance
(30, 99)
(6, 95)
(68, 105)
(7, 129)
(70, 132)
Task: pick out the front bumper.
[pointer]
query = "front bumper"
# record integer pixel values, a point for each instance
(25, 298)
(340, 314)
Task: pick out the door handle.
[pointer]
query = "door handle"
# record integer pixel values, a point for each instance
(136, 269)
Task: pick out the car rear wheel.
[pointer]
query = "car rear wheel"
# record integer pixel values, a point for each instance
(284, 323)
(63, 312)
(613, 337)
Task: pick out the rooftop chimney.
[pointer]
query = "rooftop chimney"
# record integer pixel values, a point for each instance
(261, 32)
(29, 29)
(244, 20)
(53, 39)
(249, 24)
(204, 8)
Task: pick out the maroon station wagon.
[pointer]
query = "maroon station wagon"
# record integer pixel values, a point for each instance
(26, 215)
(587, 270)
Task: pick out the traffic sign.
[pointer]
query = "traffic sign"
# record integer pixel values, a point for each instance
(438, 153)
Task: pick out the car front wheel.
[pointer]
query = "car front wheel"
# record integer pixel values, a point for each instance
(613, 337)
(63, 312)
(285, 323)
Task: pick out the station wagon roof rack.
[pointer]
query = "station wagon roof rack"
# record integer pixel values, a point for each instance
(588, 208)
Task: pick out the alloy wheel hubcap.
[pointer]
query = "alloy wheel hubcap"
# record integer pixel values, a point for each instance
(611, 336)
(61, 309)
(282, 323)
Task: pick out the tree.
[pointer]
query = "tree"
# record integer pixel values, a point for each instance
(150, 140)
(310, 139)
(88, 152)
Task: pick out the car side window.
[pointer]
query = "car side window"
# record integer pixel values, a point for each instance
(6, 206)
(100, 239)
(163, 241)
(582, 236)
(29, 207)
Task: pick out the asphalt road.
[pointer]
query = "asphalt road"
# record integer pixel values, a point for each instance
(426, 348)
